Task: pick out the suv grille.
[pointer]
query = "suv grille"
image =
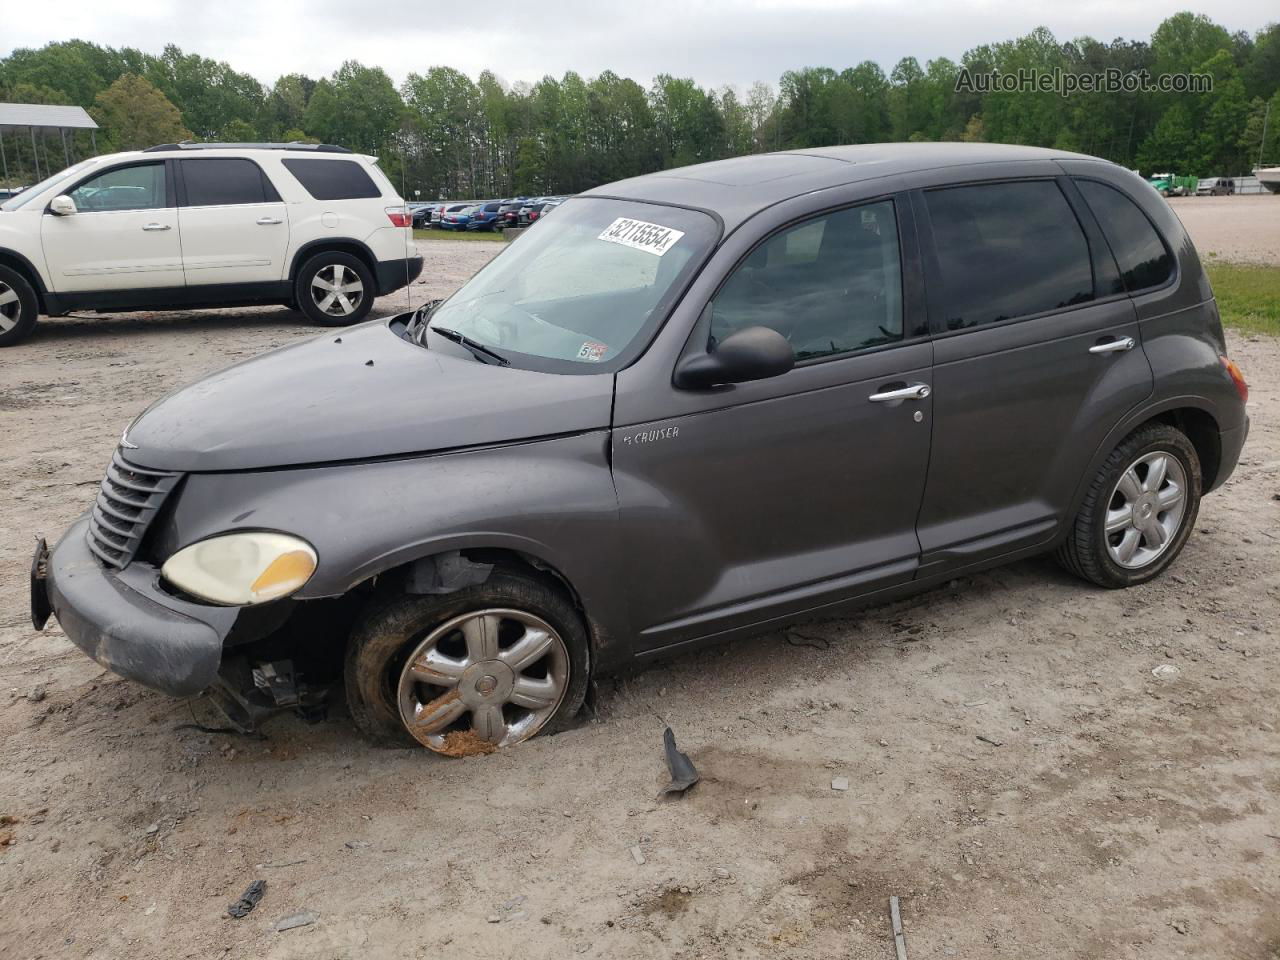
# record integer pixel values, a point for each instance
(126, 504)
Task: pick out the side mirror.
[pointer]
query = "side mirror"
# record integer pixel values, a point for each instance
(755, 353)
(62, 206)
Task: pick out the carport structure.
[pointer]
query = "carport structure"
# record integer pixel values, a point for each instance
(39, 119)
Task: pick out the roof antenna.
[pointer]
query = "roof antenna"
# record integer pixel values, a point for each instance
(408, 283)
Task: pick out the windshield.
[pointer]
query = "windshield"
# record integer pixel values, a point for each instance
(13, 203)
(576, 293)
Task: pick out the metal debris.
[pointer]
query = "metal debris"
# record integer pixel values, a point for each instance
(683, 773)
(991, 740)
(248, 900)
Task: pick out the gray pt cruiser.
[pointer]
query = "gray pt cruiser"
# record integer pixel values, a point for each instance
(689, 406)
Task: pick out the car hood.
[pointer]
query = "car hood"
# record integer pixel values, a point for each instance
(356, 394)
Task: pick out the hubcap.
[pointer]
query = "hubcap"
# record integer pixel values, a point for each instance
(337, 290)
(1146, 509)
(488, 678)
(10, 308)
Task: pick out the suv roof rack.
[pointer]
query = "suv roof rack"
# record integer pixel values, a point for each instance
(296, 145)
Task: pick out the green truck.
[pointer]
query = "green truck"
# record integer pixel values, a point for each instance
(1171, 185)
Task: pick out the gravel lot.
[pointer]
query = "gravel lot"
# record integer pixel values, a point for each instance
(1017, 774)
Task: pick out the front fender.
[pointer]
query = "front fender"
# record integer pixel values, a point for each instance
(552, 499)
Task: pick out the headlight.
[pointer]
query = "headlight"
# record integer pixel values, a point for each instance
(238, 569)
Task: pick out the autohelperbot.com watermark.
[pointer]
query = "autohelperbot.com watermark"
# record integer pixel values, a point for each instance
(1065, 82)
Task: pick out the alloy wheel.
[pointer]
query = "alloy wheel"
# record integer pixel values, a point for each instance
(10, 308)
(486, 679)
(337, 290)
(1146, 509)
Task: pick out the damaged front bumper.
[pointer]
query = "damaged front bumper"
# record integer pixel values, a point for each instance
(124, 621)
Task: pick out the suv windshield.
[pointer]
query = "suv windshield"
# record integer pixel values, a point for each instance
(577, 292)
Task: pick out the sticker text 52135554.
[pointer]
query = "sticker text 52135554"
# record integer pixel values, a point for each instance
(639, 235)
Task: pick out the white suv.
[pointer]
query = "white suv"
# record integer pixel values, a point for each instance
(311, 226)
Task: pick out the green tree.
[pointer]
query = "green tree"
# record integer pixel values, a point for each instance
(134, 114)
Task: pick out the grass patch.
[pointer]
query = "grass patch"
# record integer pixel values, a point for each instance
(483, 236)
(1248, 295)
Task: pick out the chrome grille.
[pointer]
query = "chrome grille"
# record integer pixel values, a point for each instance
(127, 501)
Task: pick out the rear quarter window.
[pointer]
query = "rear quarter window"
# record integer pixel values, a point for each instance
(333, 179)
(224, 181)
(1142, 256)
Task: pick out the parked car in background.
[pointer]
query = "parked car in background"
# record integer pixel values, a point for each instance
(529, 212)
(315, 227)
(422, 216)
(8, 193)
(548, 207)
(457, 216)
(627, 427)
(485, 216)
(1215, 187)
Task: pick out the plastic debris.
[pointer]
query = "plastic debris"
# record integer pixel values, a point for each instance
(306, 918)
(1166, 671)
(248, 900)
(683, 773)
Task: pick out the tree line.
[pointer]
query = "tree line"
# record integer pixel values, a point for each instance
(442, 134)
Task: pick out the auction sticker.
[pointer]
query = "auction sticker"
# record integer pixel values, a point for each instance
(592, 352)
(639, 235)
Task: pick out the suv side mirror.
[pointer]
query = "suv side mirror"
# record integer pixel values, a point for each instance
(62, 206)
(755, 353)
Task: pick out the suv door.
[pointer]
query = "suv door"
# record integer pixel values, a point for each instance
(123, 235)
(235, 227)
(773, 497)
(1037, 357)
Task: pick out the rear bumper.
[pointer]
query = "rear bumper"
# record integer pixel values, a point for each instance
(394, 275)
(123, 621)
(1232, 442)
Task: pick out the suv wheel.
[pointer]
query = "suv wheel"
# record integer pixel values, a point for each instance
(468, 672)
(1138, 512)
(334, 289)
(18, 307)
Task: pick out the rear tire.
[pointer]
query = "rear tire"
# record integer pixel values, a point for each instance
(19, 307)
(334, 289)
(1138, 512)
(393, 630)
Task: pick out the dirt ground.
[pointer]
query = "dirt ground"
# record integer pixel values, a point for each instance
(1016, 773)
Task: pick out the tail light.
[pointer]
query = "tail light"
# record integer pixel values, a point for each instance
(399, 216)
(1237, 377)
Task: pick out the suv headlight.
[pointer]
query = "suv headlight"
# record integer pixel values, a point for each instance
(239, 569)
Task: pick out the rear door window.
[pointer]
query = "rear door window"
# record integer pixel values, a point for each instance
(830, 285)
(225, 181)
(333, 179)
(1007, 250)
(1143, 258)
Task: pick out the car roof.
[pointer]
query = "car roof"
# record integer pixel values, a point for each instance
(740, 187)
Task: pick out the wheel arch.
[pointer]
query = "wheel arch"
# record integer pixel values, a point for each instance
(1194, 416)
(16, 261)
(348, 245)
(449, 566)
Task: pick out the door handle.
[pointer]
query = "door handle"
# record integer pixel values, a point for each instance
(157, 226)
(269, 221)
(1119, 345)
(913, 391)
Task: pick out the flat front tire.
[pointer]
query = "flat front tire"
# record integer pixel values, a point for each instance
(468, 672)
(18, 307)
(334, 289)
(1139, 510)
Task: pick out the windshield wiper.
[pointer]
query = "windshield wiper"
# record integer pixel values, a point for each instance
(477, 348)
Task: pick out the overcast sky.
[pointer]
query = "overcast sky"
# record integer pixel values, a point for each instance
(714, 41)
